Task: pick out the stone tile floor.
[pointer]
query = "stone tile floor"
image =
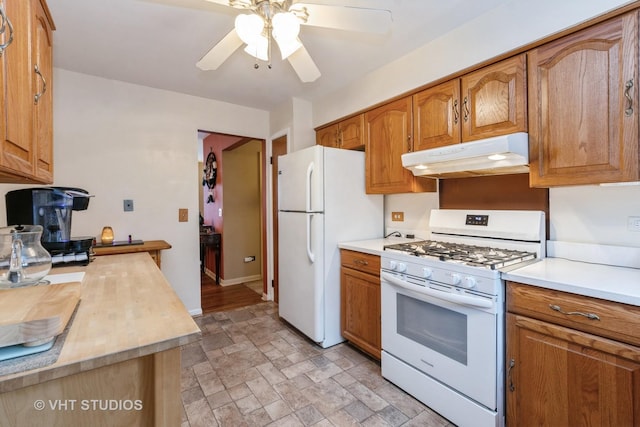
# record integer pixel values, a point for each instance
(251, 369)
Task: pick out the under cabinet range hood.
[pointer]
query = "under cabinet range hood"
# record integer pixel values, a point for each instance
(492, 156)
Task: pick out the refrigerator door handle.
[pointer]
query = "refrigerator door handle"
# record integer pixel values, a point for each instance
(309, 195)
(310, 254)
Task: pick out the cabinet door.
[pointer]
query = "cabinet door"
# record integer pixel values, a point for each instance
(360, 310)
(436, 116)
(579, 129)
(387, 137)
(43, 85)
(495, 100)
(328, 136)
(351, 133)
(17, 150)
(562, 377)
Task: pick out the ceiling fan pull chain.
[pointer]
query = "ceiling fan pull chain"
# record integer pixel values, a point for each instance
(269, 44)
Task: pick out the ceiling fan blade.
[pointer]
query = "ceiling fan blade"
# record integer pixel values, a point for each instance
(220, 52)
(304, 66)
(364, 20)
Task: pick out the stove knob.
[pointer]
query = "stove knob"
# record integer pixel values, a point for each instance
(469, 282)
(393, 265)
(426, 272)
(455, 278)
(402, 267)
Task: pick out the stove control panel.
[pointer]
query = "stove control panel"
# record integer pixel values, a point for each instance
(477, 220)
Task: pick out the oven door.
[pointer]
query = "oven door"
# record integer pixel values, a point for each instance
(453, 342)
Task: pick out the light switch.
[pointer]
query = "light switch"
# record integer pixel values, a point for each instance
(183, 215)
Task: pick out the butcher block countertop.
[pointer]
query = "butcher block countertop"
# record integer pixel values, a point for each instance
(127, 310)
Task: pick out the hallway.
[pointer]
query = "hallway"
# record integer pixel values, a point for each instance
(222, 298)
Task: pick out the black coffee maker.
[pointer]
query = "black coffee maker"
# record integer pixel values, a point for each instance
(51, 207)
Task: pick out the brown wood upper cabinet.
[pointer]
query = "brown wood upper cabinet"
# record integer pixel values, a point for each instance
(347, 134)
(26, 104)
(583, 106)
(388, 131)
(488, 102)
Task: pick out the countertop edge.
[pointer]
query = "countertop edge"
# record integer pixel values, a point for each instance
(19, 380)
(373, 246)
(580, 278)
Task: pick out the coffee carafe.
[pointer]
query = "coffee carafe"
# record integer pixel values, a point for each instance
(50, 207)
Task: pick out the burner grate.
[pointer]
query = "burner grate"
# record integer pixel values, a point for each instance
(472, 255)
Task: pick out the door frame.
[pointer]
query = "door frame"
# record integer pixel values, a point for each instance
(269, 211)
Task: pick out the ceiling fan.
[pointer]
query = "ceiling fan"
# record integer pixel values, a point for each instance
(280, 20)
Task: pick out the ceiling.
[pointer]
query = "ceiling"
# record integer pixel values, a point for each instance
(156, 43)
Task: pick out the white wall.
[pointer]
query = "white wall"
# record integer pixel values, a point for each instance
(121, 141)
(509, 26)
(586, 214)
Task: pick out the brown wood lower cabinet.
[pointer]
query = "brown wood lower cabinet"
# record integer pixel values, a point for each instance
(559, 375)
(360, 300)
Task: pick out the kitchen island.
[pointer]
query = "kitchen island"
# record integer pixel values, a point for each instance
(120, 363)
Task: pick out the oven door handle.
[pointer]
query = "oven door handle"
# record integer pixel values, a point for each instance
(445, 296)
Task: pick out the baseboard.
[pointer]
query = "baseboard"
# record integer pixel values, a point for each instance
(238, 280)
(195, 312)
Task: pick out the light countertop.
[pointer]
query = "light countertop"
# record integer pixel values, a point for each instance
(619, 284)
(374, 246)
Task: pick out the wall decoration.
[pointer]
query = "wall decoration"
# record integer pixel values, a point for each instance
(210, 175)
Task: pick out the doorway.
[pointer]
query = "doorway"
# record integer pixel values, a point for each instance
(232, 205)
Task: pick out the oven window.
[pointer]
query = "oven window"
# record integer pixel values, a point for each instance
(440, 329)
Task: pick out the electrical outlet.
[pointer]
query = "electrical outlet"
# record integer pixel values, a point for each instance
(397, 216)
(128, 205)
(633, 223)
(183, 215)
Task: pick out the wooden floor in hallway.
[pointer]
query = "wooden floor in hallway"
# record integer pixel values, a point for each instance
(223, 298)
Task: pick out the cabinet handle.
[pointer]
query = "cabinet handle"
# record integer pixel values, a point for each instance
(361, 262)
(5, 23)
(627, 87)
(456, 114)
(512, 363)
(409, 145)
(590, 316)
(466, 108)
(37, 96)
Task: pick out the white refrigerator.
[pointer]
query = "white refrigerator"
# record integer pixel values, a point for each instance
(322, 202)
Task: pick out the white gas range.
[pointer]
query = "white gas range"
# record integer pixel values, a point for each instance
(443, 309)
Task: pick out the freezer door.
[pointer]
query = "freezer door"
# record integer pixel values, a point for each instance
(300, 180)
(301, 261)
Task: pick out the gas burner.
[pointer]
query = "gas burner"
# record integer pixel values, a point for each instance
(475, 256)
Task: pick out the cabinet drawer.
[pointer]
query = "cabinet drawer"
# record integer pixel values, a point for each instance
(596, 316)
(360, 261)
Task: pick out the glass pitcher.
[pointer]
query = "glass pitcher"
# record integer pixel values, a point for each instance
(23, 260)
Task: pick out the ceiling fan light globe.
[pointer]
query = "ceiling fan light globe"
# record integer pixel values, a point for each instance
(286, 26)
(249, 27)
